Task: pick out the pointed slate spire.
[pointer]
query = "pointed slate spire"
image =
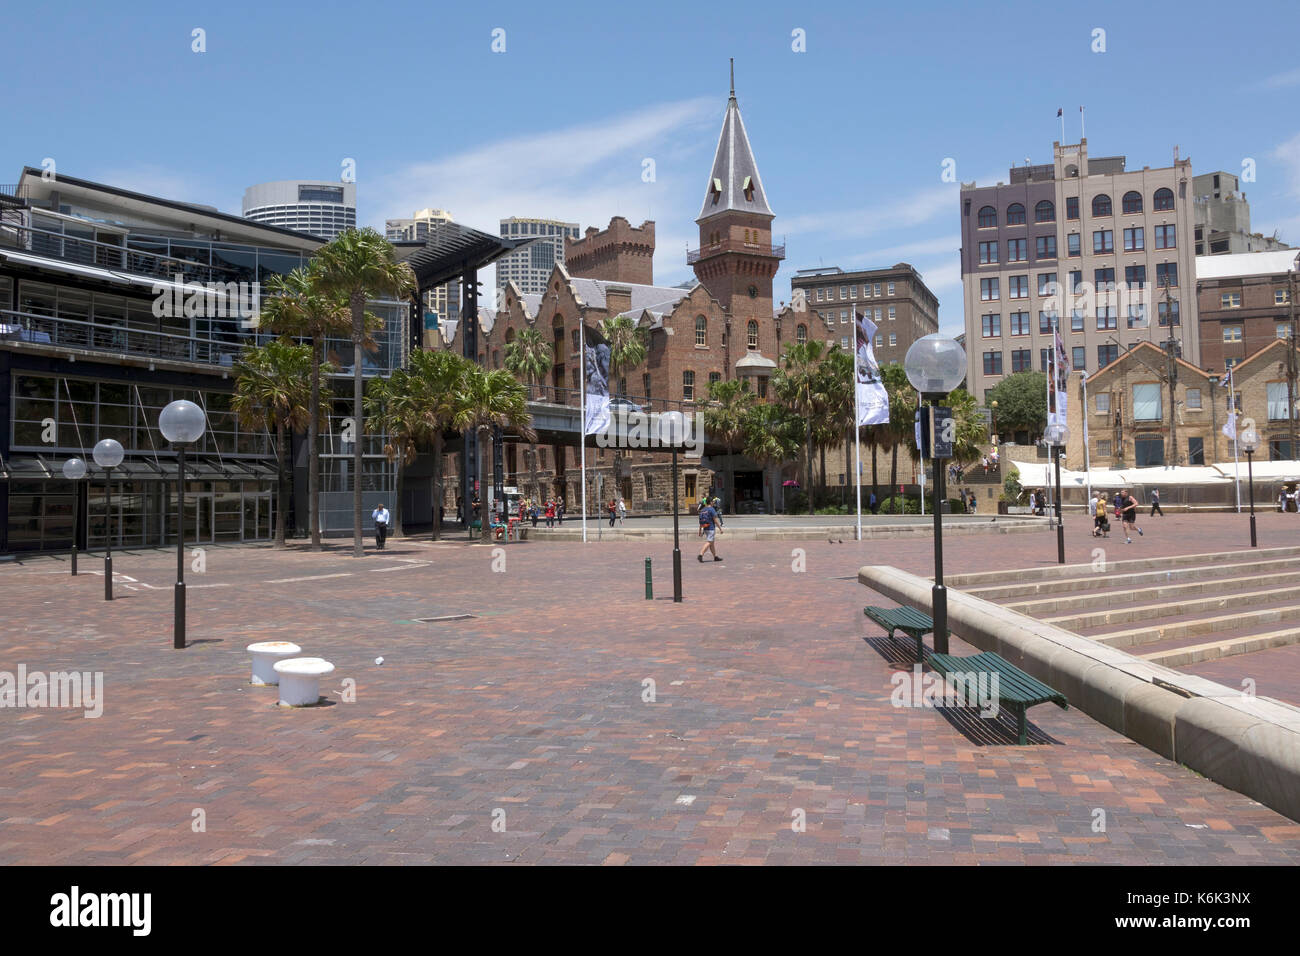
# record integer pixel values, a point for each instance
(734, 184)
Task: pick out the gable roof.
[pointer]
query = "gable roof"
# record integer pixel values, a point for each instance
(1160, 355)
(734, 168)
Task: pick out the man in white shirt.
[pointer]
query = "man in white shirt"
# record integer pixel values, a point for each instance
(381, 518)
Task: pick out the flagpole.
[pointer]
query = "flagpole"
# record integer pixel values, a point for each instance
(1083, 414)
(1236, 460)
(1051, 388)
(582, 426)
(1061, 114)
(857, 426)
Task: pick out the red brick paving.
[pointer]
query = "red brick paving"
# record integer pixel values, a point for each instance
(769, 700)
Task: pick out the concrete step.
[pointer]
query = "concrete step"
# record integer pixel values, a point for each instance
(1127, 614)
(975, 579)
(1214, 650)
(1198, 627)
(1126, 599)
(1109, 577)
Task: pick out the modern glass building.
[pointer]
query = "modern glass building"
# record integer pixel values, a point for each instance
(114, 303)
(530, 267)
(311, 206)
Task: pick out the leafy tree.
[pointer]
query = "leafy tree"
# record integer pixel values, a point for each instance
(835, 423)
(798, 385)
(273, 391)
(296, 306)
(628, 348)
(902, 417)
(1022, 402)
(729, 406)
(492, 398)
(970, 432)
(358, 265)
(528, 358)
(772, 434)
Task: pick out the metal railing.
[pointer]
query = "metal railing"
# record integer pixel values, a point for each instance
(573, 398)
(74, 333)
(122, 258)
(734, 245)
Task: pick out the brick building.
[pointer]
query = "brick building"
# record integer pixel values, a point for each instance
(1244, 303)
(1128, 409)
(721, 328)
(619, 253)
(896, 299)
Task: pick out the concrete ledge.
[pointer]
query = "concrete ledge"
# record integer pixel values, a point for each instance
(1246, 744)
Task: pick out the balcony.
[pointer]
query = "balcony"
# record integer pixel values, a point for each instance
(74, 333)
(733, 245)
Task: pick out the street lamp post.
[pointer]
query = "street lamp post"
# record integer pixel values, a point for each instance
(935, 365)
(108, 455)
(182, 423)
(1249, 444)
(671, 431)
(994, 406)
(74, 469)
(1058, 434)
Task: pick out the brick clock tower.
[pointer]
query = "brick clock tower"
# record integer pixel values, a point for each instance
(736, 260)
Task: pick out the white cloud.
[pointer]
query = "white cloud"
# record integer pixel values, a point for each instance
(584, 173)
(913, 210)
(1288, 155)
(1279, 81)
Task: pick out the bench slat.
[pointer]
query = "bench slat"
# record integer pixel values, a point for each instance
(1014, 685)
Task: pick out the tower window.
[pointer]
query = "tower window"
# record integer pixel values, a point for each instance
(749, 188)
(752, 329)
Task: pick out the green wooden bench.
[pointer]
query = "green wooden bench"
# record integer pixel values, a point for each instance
(1015, 688)
(906, 619)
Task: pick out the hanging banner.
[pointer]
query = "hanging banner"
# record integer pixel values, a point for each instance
(872, 398)
(597, 388)
(1060, 375)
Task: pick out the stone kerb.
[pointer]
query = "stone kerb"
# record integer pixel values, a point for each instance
(1247, 744)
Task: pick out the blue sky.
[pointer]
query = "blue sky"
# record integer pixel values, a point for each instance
(850, 135)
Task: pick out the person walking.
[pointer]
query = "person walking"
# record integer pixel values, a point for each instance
(1128, 516)
(613, 511)
(1155, 503)
(973, 507)
(622, 510)
(381, 518)
(559, 510)
(550, 513)
(708, 530)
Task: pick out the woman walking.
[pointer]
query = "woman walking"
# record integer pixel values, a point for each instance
(1129, 516)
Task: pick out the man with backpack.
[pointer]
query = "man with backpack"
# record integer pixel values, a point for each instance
(708, 529)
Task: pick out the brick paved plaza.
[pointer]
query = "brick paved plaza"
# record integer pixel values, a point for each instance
(772, 696)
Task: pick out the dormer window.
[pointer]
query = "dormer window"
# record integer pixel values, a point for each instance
(748, 188)
(715, 191)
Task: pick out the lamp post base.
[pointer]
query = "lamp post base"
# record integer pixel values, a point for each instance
(1254, 541)
(108, 577)
(178, 628)
(74, 560)
(939, 600)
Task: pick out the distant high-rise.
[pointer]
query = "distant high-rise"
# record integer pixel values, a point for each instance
(422, 226)
(531, 266)
(310, 206)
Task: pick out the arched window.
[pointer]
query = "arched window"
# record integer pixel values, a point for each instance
(1163, 199)
(1101, 205)
(988, 217)
(801, 333)
(753, 334)
(496, 358)
(1015, 214)
(1045, 211)
(1131, 203)
(701, 330)
(510, 336)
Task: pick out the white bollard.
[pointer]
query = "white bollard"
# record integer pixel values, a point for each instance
(265, 654)
(300, 680)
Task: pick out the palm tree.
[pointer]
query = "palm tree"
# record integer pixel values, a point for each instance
(725, 418)
(298, 308)
(272, 391)
(902, 411)
(359, 265)
(837, 414)
(391, 408)
(528, 357)
(797, 385)
(771, 435)
(440, 381)
(627, 350)
(492, 398)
